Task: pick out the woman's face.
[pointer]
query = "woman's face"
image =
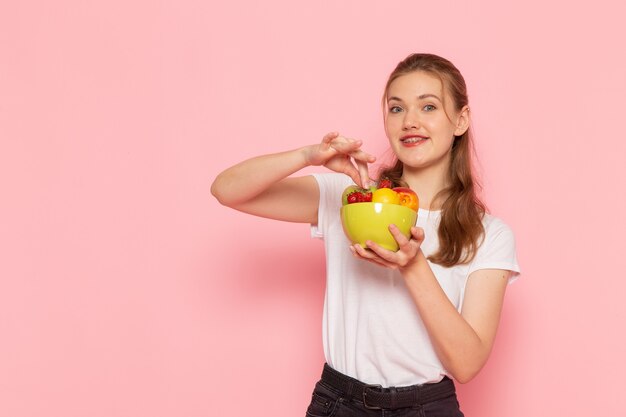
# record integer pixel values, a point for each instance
(420, 129)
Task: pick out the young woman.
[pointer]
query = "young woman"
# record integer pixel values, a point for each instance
(398, 326)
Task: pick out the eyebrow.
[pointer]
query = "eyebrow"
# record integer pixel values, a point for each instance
(421, 97)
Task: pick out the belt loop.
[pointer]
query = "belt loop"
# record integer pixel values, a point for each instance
(393, 397)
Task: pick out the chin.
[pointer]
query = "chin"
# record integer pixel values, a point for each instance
(413, 162)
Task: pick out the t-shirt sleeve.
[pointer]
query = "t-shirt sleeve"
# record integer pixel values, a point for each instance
(497, 250)
(331, 187)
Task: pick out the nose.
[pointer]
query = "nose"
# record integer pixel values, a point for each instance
(411, 121)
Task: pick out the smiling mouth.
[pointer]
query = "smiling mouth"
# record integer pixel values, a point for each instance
(412, 139)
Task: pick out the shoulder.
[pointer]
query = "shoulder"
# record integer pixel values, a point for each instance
(495, 227)
(497, 249)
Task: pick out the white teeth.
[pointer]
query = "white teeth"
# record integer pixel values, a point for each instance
(412, 140)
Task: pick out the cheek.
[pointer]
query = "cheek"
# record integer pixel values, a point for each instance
(442, 127)
(392, 136)
(434, 124)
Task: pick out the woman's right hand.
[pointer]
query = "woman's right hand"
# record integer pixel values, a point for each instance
(341, 154)
(263, 185)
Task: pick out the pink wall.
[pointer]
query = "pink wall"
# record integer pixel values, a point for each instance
(126, 290)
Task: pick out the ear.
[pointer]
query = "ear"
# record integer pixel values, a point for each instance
(462, 121)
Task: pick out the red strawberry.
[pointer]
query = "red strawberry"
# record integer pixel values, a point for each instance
(385, 183)
(353, 197)
(359, 195)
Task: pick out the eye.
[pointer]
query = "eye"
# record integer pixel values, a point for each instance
(429, 107)
(395, 109)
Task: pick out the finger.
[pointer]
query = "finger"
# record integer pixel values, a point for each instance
(408, 248)
(361, 155)
(385, 255)
(328, 138)
(366, 252)
(417, 233)
(345, 145)
(398, 235)
(368, 255)
(350, 170)
(363, 173)
(351, 147)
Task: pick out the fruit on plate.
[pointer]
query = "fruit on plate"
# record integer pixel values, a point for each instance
(408, 197)
(378, 208)
(403, 196)
(356, 194)
(385, 195)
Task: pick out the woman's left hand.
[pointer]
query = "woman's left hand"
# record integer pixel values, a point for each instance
(402, 258)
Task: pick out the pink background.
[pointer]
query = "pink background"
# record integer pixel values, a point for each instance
(127, 290)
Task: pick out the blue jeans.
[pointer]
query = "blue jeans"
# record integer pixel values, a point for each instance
(328, 401)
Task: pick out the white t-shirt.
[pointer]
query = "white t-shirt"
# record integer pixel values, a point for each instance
(371, 328)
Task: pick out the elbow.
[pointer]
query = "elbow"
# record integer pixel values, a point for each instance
(465, 376)
(466, 371)
(217, 192)
(465, 364)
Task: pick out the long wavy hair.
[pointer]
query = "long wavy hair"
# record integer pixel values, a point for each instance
(461, 229)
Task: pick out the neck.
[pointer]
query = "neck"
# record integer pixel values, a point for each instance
(427, 182)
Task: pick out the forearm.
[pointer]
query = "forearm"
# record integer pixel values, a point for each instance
(457, 344)
(249, 178)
